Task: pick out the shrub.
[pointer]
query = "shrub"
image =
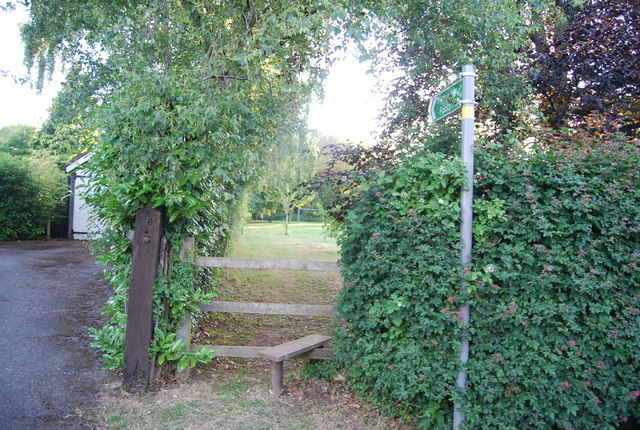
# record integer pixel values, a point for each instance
(31, 190)
(18, 213)
(554, 288)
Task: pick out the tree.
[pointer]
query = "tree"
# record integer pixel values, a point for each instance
(191, 98)
(431, 41)
(31, 188)
(17, 139)
(290, 166)
(591, 66)
(51, 185)
(345, 168)
(44, 178)
(67, 131)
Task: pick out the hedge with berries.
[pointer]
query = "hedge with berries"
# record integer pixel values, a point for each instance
(554, 287)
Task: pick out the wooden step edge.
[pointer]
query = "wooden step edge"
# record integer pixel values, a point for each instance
(294, 348)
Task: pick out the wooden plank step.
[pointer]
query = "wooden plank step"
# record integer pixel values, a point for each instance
(267, 308)
(291, 349)
(259, 263)
(233, 351)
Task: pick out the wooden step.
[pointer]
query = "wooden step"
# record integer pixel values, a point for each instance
(291, 349)
(279, 353)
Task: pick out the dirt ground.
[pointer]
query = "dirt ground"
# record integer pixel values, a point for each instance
(220, 398)
(50, 294)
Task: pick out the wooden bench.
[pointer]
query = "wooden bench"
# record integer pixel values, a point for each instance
(285, 351)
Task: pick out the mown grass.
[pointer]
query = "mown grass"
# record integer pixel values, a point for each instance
(307, 241)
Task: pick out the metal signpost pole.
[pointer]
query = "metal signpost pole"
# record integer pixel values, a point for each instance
(466, 231)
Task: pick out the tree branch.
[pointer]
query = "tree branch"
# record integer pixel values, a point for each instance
(237, 78)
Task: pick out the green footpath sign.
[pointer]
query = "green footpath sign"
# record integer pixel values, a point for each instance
(446, 102)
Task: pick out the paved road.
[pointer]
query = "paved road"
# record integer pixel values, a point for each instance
(50, 294)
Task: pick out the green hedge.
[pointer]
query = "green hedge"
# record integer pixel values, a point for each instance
(555, 288)
(32, 190)
(20, 209)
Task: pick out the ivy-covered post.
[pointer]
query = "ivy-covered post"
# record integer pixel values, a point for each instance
(183, 330)
(466, 224)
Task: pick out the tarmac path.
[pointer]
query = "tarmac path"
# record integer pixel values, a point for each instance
(50, 294)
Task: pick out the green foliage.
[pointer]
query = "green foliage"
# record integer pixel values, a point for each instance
(554, 287)
(168, 348)
(428, 42)
(185, 100)
(51, 182)
(175, 298)
(401, 263)
(291, 164)
(17, 139)
(31, 189)
(181, 164)
(321, 369)
(19, 216)
(67, 131)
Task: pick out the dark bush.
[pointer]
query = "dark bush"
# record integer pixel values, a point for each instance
(31, 194)
(555, 287)
(19, 208)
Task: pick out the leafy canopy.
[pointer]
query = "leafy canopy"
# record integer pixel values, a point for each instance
(186, 100)
(591, 66)
(290, 165)
(431, 41)
(17, 139)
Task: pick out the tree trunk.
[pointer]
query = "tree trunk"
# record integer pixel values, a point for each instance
(286, 224)
(49, 229)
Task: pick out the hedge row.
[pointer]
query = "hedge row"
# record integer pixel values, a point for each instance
(555, 288)
(21, 206)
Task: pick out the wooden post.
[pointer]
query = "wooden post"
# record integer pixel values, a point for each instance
(183, 331)
(277, 378)
(146, 246)
(188, 245)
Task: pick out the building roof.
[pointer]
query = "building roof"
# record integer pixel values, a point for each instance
(78, 161)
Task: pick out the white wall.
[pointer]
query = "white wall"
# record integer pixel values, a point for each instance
(80, 217)
(82, 222)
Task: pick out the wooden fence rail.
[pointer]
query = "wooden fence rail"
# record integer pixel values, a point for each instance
(254, 263)
(184, 331)
(267, 308)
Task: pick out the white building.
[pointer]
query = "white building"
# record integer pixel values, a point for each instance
(81, 224)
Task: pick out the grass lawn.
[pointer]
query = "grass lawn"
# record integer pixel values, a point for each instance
(267, 240)
(306, 241)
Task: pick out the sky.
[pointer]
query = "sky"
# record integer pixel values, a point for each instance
(348, 111)
(19, 104)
